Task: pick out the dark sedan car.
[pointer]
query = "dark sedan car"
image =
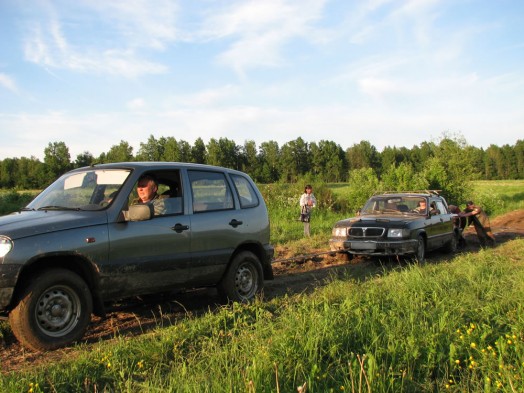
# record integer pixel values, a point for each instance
(90, 238)
(404, 223)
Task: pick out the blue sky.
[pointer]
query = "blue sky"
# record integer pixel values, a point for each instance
(92, 73)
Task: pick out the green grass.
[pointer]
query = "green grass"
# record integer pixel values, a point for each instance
(455, 326)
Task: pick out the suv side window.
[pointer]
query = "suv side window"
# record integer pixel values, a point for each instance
(210, 191)
(169, 193)
(246, 194)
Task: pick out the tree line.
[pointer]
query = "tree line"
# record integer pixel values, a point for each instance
(428, 164)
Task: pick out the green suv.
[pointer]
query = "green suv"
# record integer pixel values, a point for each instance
(88, 239)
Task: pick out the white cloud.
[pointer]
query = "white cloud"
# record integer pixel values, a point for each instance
(137, 103)
(48, 43)
(260, 29)
(207, 97)
(8, 82)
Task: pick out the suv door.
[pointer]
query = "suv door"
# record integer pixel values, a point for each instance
(216, 226)
(152, 255)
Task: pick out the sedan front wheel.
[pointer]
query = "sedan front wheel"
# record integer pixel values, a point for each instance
(421, 249)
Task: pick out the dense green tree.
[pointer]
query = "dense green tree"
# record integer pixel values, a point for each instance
(8, 169)
(122, 152)
(509, 160)
(84, 159)
(519, 158)
(223, 152)
(493, 162)
(328, 161)
(152, 150)
(198, 152)
(56, 159)
(269, 159)
(31, 174)
(171, 150)
(294, 160)
(363, 155)
(250, 159)
(402, 177)
(184, 151)
(367, 184)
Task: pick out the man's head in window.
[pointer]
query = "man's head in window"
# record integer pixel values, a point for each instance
(147, 188)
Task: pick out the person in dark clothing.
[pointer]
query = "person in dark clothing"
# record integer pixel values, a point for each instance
(480, 221)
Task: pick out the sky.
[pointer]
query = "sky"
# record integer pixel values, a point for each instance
(93, 73)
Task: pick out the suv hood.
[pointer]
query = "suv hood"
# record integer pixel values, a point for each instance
(31, 223)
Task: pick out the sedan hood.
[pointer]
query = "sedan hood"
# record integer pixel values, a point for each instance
(376, 218)
(31, 223)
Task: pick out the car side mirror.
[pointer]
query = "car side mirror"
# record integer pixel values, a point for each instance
(139, 212)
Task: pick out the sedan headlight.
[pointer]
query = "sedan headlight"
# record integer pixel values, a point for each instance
(340, 231)
(6, 245)
(397, 233)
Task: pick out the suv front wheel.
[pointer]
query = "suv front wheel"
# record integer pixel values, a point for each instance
(243, 279)
(54, 311)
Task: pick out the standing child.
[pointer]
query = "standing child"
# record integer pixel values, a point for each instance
(307, 201)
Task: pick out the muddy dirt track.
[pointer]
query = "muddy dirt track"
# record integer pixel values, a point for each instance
(301, 275)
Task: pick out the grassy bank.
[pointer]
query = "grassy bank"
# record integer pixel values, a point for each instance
(454, 326)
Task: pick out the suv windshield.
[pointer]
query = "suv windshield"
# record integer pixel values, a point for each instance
(88, 190)
(395, 204)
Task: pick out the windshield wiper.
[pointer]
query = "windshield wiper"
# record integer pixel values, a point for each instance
(55, 207)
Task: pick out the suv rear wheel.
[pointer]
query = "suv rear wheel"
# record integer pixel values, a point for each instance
(243, 279)
(54, 311)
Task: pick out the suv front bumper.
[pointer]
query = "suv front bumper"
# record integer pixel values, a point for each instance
(8, 276)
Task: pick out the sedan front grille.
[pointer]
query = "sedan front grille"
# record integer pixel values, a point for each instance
(365, 232)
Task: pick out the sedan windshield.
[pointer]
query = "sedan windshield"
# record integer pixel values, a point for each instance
(395, 205)
(88, 190)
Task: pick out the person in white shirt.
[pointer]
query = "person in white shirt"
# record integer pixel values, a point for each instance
(307, 202)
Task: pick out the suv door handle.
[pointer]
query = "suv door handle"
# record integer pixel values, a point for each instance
(234, 223)
(178, 228)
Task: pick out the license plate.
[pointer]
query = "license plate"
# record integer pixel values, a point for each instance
(363, 246)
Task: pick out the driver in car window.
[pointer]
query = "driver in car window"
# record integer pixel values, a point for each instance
(146, 189)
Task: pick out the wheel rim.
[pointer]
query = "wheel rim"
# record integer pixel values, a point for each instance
(57, 311)
(246, 280)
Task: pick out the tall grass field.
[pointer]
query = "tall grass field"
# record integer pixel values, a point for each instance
(456, 327)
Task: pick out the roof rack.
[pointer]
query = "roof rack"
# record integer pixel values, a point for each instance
(430, 192)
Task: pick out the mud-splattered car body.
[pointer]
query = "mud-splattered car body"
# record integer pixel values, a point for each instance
(394, 224)
(84, 242)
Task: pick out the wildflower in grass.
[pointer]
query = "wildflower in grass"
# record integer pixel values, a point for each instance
(33, 388)
(473, 345)
(457, 361)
